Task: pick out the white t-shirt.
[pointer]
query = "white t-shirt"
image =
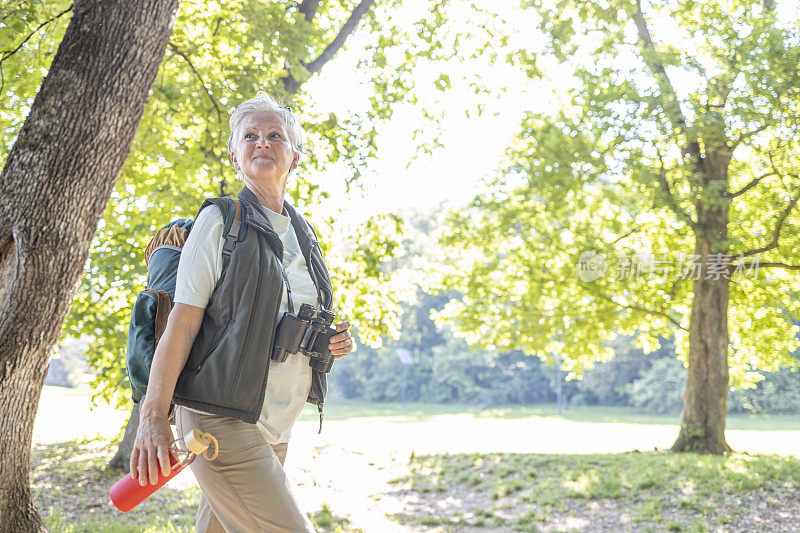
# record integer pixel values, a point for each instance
(199, 269)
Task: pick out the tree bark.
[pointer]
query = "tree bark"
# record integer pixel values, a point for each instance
(705, 399)
(53, 189)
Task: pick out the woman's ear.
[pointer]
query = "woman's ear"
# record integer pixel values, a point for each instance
(234, 162)
(295, 159)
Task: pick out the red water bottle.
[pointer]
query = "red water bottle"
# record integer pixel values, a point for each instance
(127, 493)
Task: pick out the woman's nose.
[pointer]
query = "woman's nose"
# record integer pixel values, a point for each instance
(262, 142)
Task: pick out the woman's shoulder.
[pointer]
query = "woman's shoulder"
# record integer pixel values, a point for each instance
(210, 216)
(207, 227)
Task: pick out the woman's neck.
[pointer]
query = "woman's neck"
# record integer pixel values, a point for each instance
(269, 198)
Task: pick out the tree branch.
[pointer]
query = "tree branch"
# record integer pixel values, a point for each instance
(341, 37)
(747, 187)
(290, 84)
(8, 53)
(640, 309)
(309, 9)
(744, 136)
(177, 51)
(635, 229)
(672, 104)
(758, 264)
(672, 202)
(776, 232)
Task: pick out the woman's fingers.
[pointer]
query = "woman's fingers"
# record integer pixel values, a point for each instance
(134, 462)
(152, 467)
(344, 333)
(163, 459)
(141, 467)
(150, 454)
(342, 343)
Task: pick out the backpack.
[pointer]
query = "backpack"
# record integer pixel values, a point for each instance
(153, 305)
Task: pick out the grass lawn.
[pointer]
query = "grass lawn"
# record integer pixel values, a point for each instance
(417, 412)
(610, 492)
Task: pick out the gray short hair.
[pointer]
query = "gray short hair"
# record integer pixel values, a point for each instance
(264, 102)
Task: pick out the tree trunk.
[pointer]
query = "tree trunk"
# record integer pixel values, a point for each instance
(122, 459)
(705, 399)
(53, 189)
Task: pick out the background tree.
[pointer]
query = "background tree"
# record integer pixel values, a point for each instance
(674, 156)
(54, 185)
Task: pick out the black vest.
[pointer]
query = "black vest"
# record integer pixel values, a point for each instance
(228, 365)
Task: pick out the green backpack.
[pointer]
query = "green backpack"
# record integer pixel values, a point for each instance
(153, 305)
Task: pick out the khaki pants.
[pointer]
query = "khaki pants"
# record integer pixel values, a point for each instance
(244, 489)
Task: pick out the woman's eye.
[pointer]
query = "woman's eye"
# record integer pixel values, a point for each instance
(249, 135)
(275, 136)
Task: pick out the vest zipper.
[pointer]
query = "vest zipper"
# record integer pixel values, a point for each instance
(272, 344)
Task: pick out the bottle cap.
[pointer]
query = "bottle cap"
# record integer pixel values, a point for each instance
(195, 442)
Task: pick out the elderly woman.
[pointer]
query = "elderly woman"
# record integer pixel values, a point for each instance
(213, 360)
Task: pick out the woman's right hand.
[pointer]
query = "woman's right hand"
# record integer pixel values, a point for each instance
(151, 449)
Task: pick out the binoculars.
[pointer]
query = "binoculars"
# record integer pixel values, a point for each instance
(307, 334)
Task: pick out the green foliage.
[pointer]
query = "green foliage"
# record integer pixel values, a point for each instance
(660, 389)
(445, 369)
(587, 174)
(778, 392)
(605, 383)
(23, 72)
(370, 297)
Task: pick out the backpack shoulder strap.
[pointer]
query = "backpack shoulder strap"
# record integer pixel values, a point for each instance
(231, 210)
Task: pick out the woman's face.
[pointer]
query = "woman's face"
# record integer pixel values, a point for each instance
(262, 149)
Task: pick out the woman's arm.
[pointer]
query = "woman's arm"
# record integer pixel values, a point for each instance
(154, 435)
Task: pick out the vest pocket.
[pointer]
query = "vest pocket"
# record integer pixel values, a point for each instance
(220, 336)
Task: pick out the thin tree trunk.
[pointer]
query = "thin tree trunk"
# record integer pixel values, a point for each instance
(53, 189)
(122, 459)
(705, 399)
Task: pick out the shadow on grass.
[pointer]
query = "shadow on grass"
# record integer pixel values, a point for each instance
(421, 412)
